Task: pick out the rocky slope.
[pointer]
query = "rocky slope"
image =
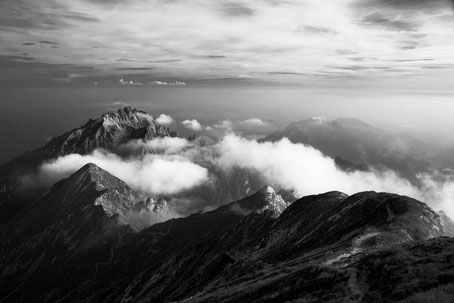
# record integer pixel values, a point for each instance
(58, 236)
(71, 247)
(324, 248)
(107, 132)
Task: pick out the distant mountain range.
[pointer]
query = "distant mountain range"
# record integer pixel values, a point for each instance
(86, 239)
(354, 140)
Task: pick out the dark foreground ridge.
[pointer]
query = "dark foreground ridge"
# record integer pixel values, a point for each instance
(368, 247)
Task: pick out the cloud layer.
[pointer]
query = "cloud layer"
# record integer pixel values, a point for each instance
(171, 166)
(151, 174)
(305, 42)
(307, 171)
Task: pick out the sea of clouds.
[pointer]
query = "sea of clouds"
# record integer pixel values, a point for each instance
(168, 166)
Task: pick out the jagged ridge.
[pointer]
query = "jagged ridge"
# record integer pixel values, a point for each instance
(108, 131)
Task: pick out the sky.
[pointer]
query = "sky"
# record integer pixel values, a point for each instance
(392, 44)
(387, 62)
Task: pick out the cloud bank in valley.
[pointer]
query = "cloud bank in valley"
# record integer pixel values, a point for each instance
(151, 174)
(174, 165)
(307, 171)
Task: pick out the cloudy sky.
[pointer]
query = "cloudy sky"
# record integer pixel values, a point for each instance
(158, 42)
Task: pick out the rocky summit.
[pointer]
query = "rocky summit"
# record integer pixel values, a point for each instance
(108, 131)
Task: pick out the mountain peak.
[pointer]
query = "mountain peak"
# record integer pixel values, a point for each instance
(107, 132)
(114, 195)
(128, 116)
(78, 198)
(264, 200)
(354, 123)
(90, 168)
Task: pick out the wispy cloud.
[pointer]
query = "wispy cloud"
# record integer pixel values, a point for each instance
(279, 41)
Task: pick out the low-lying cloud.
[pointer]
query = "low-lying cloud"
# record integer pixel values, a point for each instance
(303, 168)
(151, 174)
(171, 166)
(307, 171)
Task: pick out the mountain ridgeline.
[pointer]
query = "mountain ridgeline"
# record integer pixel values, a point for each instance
(88, 238)
(108, 132)
(70, 247)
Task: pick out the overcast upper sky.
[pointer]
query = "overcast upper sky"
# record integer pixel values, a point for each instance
(396, 43)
